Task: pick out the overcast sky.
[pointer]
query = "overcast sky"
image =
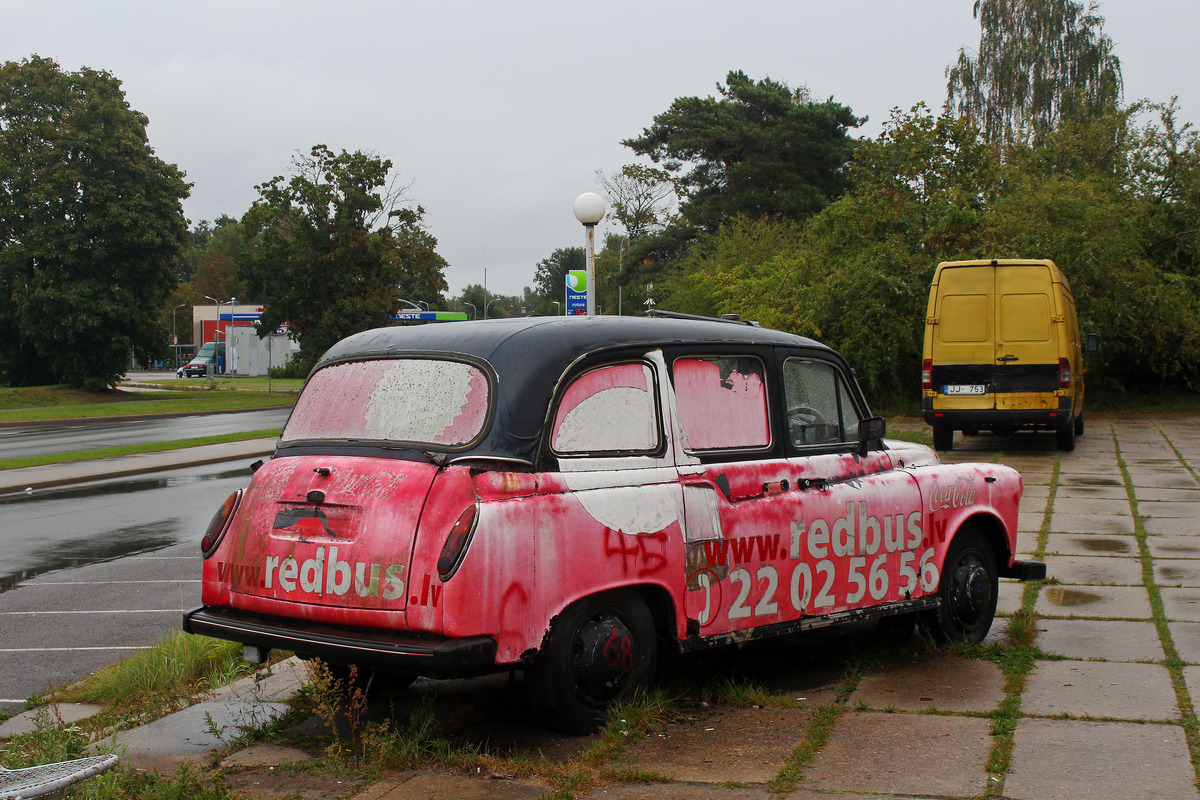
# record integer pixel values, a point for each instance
(499, 113)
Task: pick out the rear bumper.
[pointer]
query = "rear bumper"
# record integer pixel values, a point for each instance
(987, 418)
(1025, 571)
(436, 657)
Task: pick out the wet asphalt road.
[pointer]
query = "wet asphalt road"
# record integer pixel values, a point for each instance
(90, 574)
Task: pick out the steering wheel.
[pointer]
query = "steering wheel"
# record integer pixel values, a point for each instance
(803, 422)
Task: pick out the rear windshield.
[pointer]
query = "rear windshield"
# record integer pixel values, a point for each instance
(419, 400)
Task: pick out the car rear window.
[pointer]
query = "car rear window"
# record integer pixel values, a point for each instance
(420, 400)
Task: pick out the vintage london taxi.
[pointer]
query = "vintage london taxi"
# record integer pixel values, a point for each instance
(571, 497)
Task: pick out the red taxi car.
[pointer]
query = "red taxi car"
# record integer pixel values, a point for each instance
(566, 496)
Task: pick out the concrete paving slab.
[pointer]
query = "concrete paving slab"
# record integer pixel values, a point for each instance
(946, 683)
(1091, 523)
(1073, 493)
(1144, 493)
(1068, 479)
(57, 714)
(1009, 598)
(1172, 526)
(1027, 543)
(1095, 570)
(722, 743)
(1030, 521)
(1091, 505)
(1110, 639)
(1167, 546)
(1077, 760)
(1186, 636)
(1169, 508)
(188, 735)
(1103, 602)
(681, 791)
(921, 754)
(1177, 572)
(1076, 467)
(437, 786)
(1091, 544)
(1100, 689)
(1162, 478)
(1181, 605)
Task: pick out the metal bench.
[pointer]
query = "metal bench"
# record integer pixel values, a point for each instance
(17, 784)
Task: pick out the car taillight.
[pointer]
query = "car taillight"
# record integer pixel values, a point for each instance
(219, 524)
(927, 374)
(1064, 374)
(456, 543)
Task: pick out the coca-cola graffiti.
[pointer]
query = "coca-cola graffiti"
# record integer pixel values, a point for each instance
(952, 495)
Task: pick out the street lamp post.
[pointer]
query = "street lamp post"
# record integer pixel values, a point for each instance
(474, 310)
(589, 209)
(215, 332)
(174, 334)
(557, 308)
(493, 300)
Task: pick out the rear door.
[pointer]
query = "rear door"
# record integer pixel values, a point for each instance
(1025, 334)
(964, 346)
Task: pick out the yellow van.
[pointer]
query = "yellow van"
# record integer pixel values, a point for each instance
(1002, 351)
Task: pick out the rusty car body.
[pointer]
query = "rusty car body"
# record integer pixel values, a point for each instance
(566, 496)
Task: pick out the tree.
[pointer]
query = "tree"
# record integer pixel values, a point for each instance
(550, 275)
(333, 247)
(1039, 61)
(761, 149)
(641, 197)
(90, 227)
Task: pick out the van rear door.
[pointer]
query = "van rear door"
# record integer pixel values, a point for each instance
(1026, 337)
(963, 346)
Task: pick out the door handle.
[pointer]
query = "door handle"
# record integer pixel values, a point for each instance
(1008, 358)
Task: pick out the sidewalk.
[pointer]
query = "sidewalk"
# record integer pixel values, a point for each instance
(50, 475)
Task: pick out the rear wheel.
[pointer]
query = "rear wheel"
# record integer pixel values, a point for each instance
(1066, 437)
(1079, 424)
(968, 590)
(943, 437)
(600, 651)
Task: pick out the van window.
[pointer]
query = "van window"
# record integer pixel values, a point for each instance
(419, 400)
(608, 410)
(722, 402)
(819, 405)
(1025, 317)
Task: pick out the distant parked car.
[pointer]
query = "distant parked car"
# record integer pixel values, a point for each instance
(198, 367)
(568, 496)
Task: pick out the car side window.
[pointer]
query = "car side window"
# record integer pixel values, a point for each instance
(820, 408)
(610, 410)
(722, 402)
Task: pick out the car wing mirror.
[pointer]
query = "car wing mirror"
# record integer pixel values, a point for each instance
(869, 430)
(1092, 344)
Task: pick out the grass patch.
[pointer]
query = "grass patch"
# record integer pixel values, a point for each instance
(131, 449)
(924, 437)
(173, 403)
(162, 678)
(247, 384)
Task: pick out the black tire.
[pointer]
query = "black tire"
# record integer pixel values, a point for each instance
(943, 437)
(1066, 437)
(968, 590)
(1079, 424)
(600, 651)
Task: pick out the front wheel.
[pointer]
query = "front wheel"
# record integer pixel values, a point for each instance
(968, 590)
(600, 651)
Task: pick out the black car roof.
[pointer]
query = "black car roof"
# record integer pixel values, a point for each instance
(530, 354)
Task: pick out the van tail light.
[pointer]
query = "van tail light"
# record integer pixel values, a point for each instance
(456, 543)
(219, 524)
(927, 374)
(1064, 374)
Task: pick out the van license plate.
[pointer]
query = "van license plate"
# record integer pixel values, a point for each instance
(967, 388)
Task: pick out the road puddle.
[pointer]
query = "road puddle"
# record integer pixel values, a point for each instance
(1096, 544)
(1071, 597)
